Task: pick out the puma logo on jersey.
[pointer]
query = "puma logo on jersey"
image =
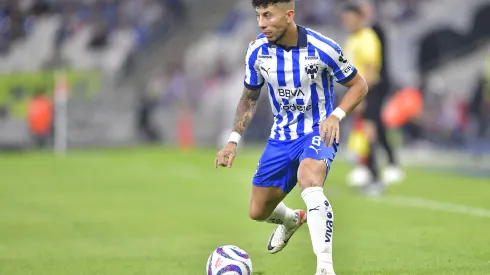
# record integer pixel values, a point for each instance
(266, 71)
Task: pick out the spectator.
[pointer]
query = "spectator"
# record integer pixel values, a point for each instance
(40, 119)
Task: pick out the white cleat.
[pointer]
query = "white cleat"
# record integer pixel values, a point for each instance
(392, 174)
(359, 176)
(280, 237)
(323, 272)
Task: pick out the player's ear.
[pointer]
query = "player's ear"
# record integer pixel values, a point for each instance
(290, 16)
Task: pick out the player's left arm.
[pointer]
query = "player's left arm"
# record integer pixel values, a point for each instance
(358, 89)
(347, 75)
(330, 128)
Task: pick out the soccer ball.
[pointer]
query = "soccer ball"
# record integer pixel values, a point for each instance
(229, 260)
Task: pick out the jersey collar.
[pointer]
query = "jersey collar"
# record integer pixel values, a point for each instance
(302, 40)
(302, 37)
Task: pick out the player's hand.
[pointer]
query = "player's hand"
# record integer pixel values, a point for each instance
(330, 130)
(225, 156)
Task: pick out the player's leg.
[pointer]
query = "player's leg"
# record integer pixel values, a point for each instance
(372, 164)
(383, 141)
(382, 91)
(266, 205)
(358, 146)
(374, 187)
(392, 173)
(313, 169)
(271, 183)
(372, 111)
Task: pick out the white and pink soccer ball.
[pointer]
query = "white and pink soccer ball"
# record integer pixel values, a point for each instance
(229, 260)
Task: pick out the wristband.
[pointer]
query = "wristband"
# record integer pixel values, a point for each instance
(339, 113)
(235, 137)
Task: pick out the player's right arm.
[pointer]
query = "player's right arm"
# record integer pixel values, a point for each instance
(244, 114)
(246, 107)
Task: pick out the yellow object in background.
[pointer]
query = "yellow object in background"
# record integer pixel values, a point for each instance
(358, 143)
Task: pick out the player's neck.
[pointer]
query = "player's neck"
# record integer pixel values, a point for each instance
(359, 28)
(290, 38)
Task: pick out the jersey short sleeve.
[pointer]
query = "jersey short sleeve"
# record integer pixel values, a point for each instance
(253, 78)
(342, 69)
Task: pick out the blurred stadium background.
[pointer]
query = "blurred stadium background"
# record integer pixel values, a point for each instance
(151, 94)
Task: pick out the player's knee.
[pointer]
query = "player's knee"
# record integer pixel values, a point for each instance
(258, 213)
(311, 173)
(307, 182)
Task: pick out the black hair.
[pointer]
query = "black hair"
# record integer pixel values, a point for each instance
(353, 8)
(266, 3)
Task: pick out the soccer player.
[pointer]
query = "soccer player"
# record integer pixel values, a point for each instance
(364, 50)
(297, 66)
(392, 173)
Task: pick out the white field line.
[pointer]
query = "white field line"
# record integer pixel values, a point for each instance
(434, 205)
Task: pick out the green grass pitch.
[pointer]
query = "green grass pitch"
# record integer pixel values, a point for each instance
(157, 211)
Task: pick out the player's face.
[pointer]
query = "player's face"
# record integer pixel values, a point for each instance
(352, 21)
(273, 21)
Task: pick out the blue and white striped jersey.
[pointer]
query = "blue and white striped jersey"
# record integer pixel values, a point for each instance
(299, 80)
